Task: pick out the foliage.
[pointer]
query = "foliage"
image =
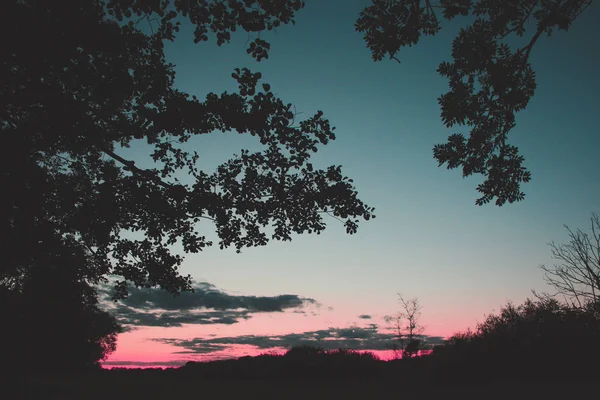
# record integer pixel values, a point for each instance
(52, 322)
(299, 362)
(537, 339)
(489, 80)
(305, 351)
(577, 276)
(82, 79)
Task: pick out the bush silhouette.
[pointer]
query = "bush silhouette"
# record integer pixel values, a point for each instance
(536, 340)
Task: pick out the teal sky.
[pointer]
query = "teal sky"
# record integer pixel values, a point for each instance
(429, 239)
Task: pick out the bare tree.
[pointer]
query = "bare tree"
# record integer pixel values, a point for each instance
(408, 328)
(577, 275)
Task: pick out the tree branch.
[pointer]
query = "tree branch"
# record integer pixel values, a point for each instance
(430, 8)
(131, 167)
(147, 174)
(332, 216)
(392, 57)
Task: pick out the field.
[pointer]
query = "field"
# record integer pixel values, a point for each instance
(169, 387)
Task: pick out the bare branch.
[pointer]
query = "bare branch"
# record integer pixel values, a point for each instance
(331, 215)
(577, 275)
(407, 326)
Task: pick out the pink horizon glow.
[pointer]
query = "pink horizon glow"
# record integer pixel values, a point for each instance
(139, 348)
(383, 355)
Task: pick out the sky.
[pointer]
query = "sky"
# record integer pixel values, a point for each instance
(429, 239)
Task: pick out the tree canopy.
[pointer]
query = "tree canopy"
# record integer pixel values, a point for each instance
(81, 80)
(490, 80)
(52, 322)
(540, 338)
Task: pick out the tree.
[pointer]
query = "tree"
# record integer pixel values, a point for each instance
(577, 275)
(540, 338)
(82, 79)
(408, 328)
(489, 80)
(52, 322)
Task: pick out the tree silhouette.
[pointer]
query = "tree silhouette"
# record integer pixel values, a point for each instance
(577, 275)
(81, 80)
(540, 338)
(52, 322)
(408, 328)
(489, 80)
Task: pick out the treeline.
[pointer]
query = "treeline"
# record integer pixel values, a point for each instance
(541, 339)
(301, 362)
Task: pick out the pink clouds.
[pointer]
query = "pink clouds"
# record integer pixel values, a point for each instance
(229, 326)
(262, 333)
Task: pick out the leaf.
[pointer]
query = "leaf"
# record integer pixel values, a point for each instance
(83, 197)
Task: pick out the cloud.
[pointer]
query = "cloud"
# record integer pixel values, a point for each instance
(364, 316)
(139, 364)
(206, 295)
(356, 338)
(206, 305)
(135, 317)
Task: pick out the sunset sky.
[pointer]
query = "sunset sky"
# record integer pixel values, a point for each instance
(429, 239)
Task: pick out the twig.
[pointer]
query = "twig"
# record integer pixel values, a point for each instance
(331, 215)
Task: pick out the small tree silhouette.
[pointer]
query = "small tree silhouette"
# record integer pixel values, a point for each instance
(407, 327)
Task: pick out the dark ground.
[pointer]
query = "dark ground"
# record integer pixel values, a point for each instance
(106, 386)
